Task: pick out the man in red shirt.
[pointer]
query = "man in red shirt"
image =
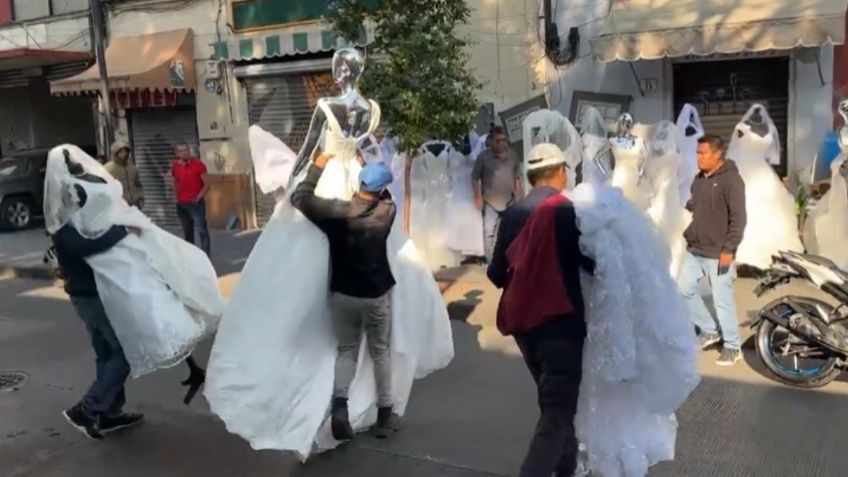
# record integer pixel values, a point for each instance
(190, 187)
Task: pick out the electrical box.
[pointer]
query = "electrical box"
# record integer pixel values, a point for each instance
(213, 70)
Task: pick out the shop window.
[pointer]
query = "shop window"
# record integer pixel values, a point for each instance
(31, 9)
(257, 14)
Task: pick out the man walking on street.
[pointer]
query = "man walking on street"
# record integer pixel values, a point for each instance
(718, 224)
(122, 169)
(191, 186)
(496, 183)
(361, 281)
(101, 409)
(537, 262)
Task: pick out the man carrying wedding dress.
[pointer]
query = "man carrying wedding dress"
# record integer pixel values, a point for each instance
(360, 282)
(537, 261)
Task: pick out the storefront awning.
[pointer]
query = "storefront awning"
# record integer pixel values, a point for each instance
(652, 29)
(295, 40)
(154, 62)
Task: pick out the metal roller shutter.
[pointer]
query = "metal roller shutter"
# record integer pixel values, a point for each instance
(710, 87)
(283, 106)
(154, 134)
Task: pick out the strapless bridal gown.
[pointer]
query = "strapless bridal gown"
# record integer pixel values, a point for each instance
(270, 375)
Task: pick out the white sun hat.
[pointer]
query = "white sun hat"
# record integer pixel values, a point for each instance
(543, 156)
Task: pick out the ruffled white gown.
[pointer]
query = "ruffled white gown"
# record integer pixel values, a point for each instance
(772, 225)
(826, 228)
(270, 375)
(160, 293)
(666, 211)
(464, 220)
(639, 361)
(430, 205)
(625, 175)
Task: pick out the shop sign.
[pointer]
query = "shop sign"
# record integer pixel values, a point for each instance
(144, 99)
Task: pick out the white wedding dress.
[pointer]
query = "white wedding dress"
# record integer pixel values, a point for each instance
(772, 224)
(826, 227)
(160, 293)
(464, 220)
(689, 131)
(430, 205)
(270, 375)
(594, 139)
(666, 211)
(625, 175)
(639, 361)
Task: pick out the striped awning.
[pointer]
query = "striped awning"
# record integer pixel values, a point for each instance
(314, 38)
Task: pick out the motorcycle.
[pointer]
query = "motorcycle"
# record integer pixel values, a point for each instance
(803, 341)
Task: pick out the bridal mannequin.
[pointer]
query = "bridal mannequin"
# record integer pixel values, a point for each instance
(271, 369)
(666, 211)
(826, 228)
(630, 154)
(431, 204)
(689, 131)
(772, 225)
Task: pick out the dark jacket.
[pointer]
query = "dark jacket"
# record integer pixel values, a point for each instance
(71, 252)
(357, 232)
(567, 255)
(718, 212)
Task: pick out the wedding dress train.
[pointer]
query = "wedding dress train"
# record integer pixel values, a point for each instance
(271, 370)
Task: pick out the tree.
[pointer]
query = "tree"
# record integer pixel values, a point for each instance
(422, 83)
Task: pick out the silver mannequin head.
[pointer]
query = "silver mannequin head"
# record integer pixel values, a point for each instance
(348, 66)
(625, 125)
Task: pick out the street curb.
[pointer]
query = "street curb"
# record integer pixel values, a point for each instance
(33, 273)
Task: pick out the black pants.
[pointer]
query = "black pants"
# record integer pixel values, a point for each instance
(193, 219)
(105, 397)
(554, 355)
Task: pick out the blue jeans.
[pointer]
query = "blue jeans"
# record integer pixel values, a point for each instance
(106, 395)
(193, 219)
(693, 269)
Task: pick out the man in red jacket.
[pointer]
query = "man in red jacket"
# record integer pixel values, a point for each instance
(537, 262)
(191, 186)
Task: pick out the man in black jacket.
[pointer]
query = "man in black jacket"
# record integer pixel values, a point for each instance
(360, 282)
(718, 224)
(101, 409)
(537, 261)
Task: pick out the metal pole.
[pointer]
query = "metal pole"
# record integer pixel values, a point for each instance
(97, 20)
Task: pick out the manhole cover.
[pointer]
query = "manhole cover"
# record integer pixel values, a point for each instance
(11, 380)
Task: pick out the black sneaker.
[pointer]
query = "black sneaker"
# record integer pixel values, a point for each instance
(387, 423)
(121, 421)
(729, 357)
(82, 422)
(709, 340)
(340, 423)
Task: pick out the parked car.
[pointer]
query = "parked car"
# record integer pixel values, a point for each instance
(22, 187)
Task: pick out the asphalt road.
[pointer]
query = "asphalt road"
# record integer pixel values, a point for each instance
(472, 419)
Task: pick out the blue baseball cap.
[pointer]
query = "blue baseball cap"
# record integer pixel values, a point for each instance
(375, 177)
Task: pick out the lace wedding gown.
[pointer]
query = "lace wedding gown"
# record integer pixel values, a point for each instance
(772, 225)
(826, 228)
(689, 131)
(160, 293)
(270, 375)
(464, 220)
(430, 205)
(625, 175)
(639, 361)
(666, 211)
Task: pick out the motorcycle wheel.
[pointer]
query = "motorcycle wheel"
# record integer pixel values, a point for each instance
(816, 376)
